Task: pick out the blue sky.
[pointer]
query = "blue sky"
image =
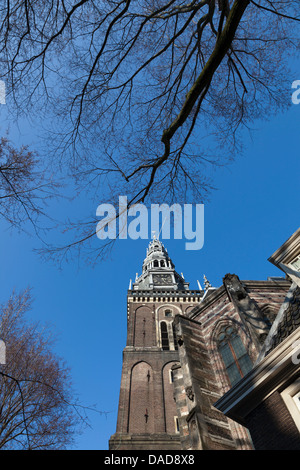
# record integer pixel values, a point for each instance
(253, 211)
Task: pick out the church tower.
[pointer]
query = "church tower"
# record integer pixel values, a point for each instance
(185, 349)
(147, 414)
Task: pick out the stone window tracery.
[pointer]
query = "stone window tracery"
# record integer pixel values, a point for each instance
(234, 354)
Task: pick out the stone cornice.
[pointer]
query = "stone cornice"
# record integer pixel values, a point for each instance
(217, 294)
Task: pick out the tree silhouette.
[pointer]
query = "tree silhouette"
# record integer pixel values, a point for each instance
(147, 94)
(37, 405)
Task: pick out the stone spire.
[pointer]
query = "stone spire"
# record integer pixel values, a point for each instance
(206, 283)
(158, 271)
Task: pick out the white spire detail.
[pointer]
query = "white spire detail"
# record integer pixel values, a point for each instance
(206, 283)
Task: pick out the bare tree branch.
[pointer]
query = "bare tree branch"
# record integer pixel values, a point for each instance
(38, 409)
(137, 87)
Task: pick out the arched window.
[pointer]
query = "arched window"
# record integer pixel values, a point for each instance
(164, 336)
(234, 354)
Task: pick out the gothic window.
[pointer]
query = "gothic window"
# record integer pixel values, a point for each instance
(234, 354)
(164, 336)
(155, 263)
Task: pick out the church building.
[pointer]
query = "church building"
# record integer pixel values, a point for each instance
(185, 350)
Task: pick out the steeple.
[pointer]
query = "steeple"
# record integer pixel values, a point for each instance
(158, 271)
(147, 415)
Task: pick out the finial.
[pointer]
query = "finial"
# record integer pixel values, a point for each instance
(130, 282)
(206, 283)
(136, 276)
(199, 285)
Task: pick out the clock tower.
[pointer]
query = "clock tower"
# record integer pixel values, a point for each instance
(147, 413)
(158, 271)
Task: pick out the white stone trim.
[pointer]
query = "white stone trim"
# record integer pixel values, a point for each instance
(288, 396)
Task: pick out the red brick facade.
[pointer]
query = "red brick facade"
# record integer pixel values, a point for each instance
(147, 410)
(279, 431)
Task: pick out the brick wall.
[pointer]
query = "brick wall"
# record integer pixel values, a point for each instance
(218, 310)
(272, 427)
(201, 369)
(141, 416)
(207, 427)
(147, 410)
